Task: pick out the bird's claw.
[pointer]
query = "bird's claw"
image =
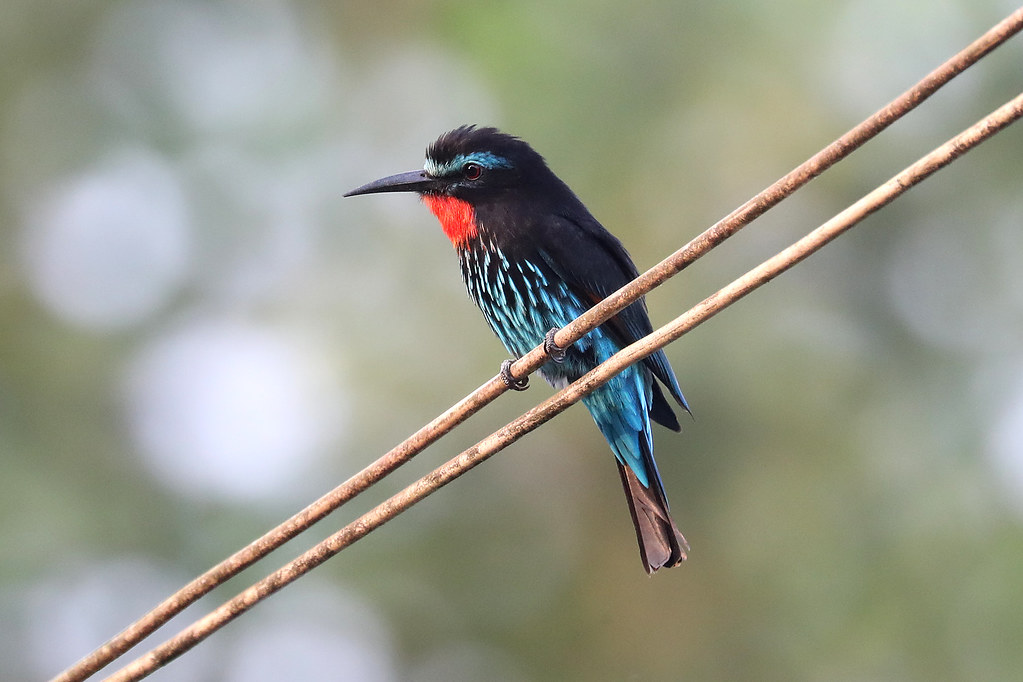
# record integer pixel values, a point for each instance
(510, 381)
(553, 350)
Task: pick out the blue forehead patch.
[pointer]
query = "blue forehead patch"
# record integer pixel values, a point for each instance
(454, 166)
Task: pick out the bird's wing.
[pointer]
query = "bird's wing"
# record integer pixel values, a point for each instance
(594, 264)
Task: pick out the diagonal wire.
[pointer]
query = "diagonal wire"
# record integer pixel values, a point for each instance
(492, 389)
(497, 441)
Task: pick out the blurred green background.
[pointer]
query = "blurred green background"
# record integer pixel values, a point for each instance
(199, 336)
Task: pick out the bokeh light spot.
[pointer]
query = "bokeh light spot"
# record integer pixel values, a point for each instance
(107, 248)
(226, 408)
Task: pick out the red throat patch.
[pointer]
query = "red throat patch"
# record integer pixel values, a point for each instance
(455, 216)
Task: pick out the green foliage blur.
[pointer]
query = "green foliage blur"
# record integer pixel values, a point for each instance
(199, 336)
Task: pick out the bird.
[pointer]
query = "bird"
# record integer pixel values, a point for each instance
(533, 258)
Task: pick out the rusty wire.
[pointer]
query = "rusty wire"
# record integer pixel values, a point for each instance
(489, 391)
(508, 434)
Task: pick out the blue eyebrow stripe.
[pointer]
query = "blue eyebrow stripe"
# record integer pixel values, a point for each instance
(485, 159)
(488, 160)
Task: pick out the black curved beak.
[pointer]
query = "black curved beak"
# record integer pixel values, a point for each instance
(413, 181)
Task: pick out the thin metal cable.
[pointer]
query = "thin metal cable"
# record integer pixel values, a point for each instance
(548, 409)
(492, 389)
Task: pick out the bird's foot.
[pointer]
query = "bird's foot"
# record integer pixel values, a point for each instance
(553, 350)
(510, 381)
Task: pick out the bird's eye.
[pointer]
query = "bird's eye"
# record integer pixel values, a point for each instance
(472, 171)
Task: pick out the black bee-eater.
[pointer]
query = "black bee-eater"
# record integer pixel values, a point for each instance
(533, 258)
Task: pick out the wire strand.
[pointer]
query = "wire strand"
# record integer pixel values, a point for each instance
(532, 419)
(492, 389)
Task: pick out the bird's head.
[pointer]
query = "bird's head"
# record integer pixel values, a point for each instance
(470, 172)
(468, 163)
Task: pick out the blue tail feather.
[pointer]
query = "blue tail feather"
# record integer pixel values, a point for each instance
(621, 411)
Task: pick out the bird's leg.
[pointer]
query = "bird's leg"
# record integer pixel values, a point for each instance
(554, 351)
(510, 381)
